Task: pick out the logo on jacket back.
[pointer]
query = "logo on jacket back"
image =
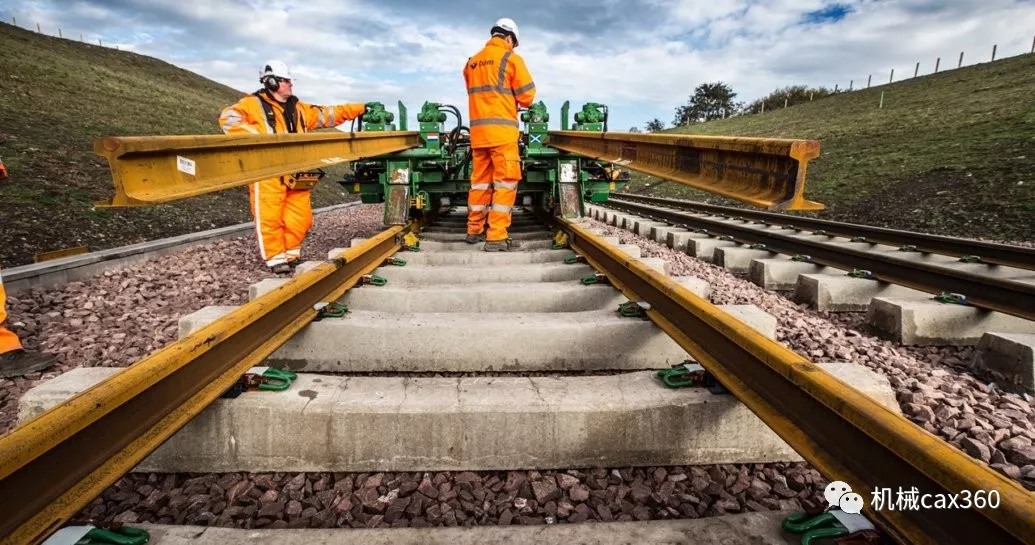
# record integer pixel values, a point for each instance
(477, 64)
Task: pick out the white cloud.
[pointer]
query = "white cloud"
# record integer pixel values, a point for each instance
(643, 61)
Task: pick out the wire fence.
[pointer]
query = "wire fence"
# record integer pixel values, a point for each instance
(61, 34)
(891, 77)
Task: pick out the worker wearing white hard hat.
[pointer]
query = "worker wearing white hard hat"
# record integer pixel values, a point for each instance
(281, 206)
(497, 83)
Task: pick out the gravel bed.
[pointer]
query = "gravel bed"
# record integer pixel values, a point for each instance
(372, 500)
(934, 385)
(115, 318)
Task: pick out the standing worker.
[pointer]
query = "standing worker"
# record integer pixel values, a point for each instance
(497, 83)
(281, 206)
(14, 361)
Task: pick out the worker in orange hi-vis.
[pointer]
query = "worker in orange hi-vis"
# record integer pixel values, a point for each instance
(14, 361)
(281, 206)
(497, 83)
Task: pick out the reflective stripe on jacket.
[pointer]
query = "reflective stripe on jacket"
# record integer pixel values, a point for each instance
(497, 83)
(247, 116)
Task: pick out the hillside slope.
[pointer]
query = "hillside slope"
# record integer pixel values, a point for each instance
(56, 96)
(951, 153)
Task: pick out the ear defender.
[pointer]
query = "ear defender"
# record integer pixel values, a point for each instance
(269, 81)
(271, 84)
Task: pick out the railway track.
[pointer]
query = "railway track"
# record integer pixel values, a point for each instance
(989, 276)
(528, 341)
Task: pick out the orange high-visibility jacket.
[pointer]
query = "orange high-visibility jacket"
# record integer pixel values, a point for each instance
(497, 82)
(247, 116)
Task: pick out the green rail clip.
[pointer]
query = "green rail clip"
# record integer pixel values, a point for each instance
(118, 536)
(595, 278)
(395, 261)
(726, 237)
(860, 239)
(573, 259)
(758, 247)
(634, 309)
(819, 232)
(951, 298)
(330, 310)
(907, 248)
(802, 258)
(861, 273)
(971, 259)
(702, 231)
(374, 280)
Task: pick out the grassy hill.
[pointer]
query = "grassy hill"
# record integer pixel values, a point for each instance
(950, 153)
(56, 96)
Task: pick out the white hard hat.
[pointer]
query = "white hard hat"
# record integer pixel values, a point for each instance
(508, 25)
(275, 68)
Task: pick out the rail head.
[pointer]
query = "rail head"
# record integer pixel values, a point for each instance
(768, 173)
(842, 432)
(149, 170)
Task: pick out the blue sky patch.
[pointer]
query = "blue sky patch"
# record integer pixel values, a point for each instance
(830, 14)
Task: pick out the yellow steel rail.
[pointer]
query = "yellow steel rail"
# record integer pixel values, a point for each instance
(148, 170)
(54, 465)
(764, 172)
(846, 435)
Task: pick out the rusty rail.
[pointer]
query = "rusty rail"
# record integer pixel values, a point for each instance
(764, 172)
(149, 170)
(988, 252)
(1003, 295)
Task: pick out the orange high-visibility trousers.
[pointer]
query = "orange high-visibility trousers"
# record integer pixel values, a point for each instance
(495, 173)
(282, 218)
(8, 340)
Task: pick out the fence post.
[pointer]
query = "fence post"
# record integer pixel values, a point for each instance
(1033, 44)
(810, 95)
(881, 106)
(892, 76)
(835, 88)
(784, 102)
(916, 70)
(99, 42)
(60, 35)
(868, 78)
(763, 107)
(936, 63)
(38, 28)
(850, 83)
(993, 52)
(961, 60)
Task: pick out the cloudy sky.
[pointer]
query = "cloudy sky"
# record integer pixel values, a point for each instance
(641, 57)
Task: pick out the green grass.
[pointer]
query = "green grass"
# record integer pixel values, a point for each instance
(951, 153)
(56, 97)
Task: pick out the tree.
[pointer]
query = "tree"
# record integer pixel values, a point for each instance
(634, 129)
(792, 96)
(655, 125)
(709, 101)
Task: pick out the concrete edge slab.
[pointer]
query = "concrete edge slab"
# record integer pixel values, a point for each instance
(347, 423)
(756, 528)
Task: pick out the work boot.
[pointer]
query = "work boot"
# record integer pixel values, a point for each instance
(281, 268)
(506, 245)
(475, 239)
(295, 263)
(18, 362)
